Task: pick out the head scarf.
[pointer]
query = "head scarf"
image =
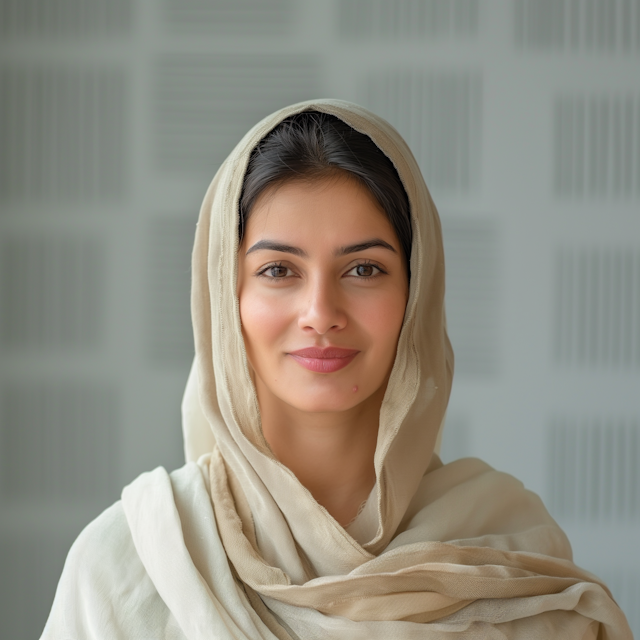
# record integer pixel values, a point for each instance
(461, 547)
(420, 382)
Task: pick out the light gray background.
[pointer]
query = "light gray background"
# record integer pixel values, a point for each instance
(114, 115)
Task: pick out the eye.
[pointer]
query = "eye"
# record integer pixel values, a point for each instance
(275, 272)
(365, 270)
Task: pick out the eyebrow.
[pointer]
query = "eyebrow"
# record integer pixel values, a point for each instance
(362, 246)
(271, 245)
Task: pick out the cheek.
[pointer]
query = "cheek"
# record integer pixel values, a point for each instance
(384, 313)
(381, 317)
(264, 322)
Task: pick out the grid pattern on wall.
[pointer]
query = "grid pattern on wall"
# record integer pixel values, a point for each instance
(246, 17)
(170, 337)
(396, 19)
(62, 133)
(59, 441)
(52, 292)
(440, 115)
(594, 474)
(589, 25)
(472, 293)
(204, 104)
(597, 307)
(20, 18)
(597, 146)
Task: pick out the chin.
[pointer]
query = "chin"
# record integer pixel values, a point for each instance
(327, 402)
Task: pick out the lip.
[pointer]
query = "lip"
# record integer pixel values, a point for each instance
(324, 360)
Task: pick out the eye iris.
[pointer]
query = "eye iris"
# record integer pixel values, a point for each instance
(364, 270)
(278, 272)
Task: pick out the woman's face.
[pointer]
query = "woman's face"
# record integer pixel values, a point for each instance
(322, 288)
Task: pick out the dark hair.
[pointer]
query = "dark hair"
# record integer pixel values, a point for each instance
(313, 144)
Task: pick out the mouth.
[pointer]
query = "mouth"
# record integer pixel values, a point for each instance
(324, 360)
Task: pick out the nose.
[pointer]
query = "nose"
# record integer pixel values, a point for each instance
(323, 310)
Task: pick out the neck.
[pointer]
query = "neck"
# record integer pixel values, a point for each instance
(330, 453)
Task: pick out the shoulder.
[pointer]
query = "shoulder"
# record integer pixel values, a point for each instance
(191, 476)
(103, 549)
(469, 503)
(105, 590)
(109, 542)
(102, 566)
(109, 528)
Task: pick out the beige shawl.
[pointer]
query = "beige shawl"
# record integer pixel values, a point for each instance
(235, 547)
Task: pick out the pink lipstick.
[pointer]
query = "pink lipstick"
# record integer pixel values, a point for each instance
(324, 360)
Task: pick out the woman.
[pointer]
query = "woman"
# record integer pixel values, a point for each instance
(318, 507)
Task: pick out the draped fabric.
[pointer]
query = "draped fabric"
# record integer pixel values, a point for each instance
(232, 545)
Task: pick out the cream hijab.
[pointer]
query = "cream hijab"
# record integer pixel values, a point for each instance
(235, 547)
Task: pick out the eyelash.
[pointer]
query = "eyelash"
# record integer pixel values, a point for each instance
(366, 263)
(273, 265)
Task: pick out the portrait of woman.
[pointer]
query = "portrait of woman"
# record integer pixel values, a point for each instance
(313, 504)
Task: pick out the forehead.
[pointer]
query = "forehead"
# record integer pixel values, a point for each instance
(329, 207)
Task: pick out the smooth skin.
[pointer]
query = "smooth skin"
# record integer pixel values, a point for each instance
(321, 266)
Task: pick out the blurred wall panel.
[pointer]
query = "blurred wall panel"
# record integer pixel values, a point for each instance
(597, 322)
(456, 440)
(206, 103)
(399, 19)
(524, 116)
(240, 17)
(594, 470)
(62, 133)
(601, 25)
(30, 566)
(64, 18)
(597, 146)
(64, 183)
(170, 336)
(52, 292)
(441, 113)
(472, 248)
(59, 441)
